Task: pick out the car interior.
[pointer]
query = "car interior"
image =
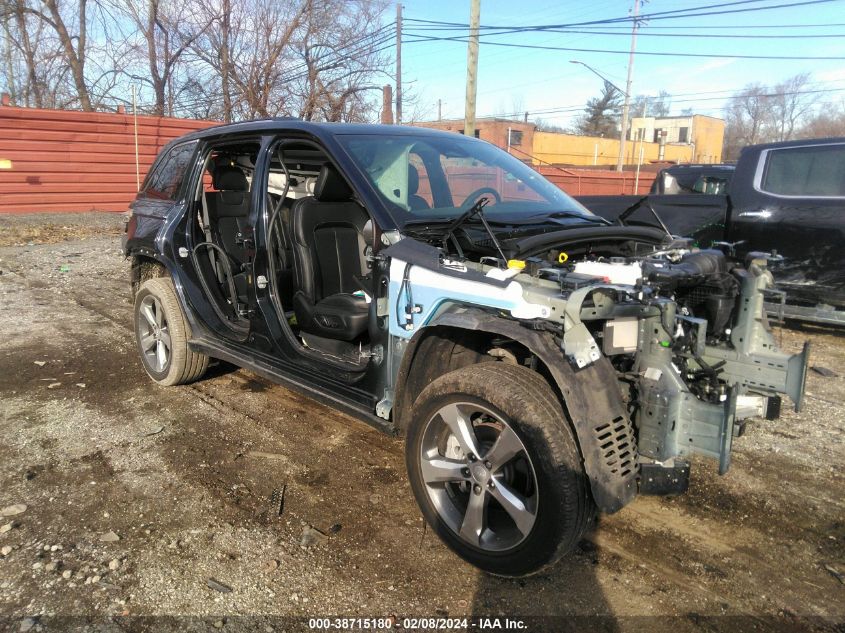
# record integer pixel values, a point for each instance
(319, 240)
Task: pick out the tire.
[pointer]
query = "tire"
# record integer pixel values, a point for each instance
(494, 399)
(158, 320)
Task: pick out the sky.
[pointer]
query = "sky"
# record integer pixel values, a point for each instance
(515, 79)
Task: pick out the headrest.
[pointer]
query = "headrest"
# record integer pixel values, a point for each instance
(330, 186)
(413, 180)
(367, 232)
(228, 178)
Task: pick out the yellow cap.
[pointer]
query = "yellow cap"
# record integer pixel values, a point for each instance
(562, 258)
(516, 263)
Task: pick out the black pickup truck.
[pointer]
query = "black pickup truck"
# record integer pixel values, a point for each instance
(786, 198)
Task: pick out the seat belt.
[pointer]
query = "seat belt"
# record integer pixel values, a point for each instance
(206, 229)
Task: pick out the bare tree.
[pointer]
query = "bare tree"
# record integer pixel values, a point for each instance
(247, 47)
(341, 46)
(652, 105)
(166, 30)
(601, 115)
(210, 58)
(747, 118)
(790, 102)
(74, 45)
(826, 123)
(546, 126)
(34, 71)
(760, 114)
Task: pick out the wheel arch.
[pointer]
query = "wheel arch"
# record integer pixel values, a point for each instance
(143, 266)
(595, 411)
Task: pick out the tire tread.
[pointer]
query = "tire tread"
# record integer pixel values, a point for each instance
(528, 392)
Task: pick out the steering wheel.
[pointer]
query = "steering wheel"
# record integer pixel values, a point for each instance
(475, 194)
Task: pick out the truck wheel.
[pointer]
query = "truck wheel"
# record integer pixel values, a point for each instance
(496, 470)
(162, 334)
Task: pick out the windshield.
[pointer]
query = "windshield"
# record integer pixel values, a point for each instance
(432, 178)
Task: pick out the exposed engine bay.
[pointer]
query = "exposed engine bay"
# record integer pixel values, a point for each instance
(684, 328)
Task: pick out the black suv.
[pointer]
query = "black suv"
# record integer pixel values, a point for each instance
(541, 362)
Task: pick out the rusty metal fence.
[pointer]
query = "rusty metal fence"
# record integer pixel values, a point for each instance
(78, 161)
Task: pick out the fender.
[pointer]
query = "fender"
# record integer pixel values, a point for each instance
(134, 251)
(596, 410)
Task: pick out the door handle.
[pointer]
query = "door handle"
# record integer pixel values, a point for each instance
(755, 214)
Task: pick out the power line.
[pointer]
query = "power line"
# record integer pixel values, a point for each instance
(744, 27)
(684, 35)
(670, 98)
(422, 39)
(385, 31)
(662, 15)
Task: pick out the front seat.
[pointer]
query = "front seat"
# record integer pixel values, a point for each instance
(417, 203)
(328, 252)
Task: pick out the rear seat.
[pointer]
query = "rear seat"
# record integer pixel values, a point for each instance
(228, 215)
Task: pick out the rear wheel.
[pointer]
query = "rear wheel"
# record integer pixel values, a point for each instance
(495, 468)
(162, 334)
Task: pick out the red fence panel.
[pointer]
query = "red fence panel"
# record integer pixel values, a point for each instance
(596, 182)
(82, 161)
(78, 161)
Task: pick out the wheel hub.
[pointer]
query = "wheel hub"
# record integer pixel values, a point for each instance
(480, 474)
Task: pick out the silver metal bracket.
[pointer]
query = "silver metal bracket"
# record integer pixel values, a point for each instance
(385, 405)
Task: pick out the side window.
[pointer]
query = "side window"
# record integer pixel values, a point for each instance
(164, 183)
(806, 171)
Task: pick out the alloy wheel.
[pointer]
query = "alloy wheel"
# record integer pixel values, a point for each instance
(479, 476)
(153, 334)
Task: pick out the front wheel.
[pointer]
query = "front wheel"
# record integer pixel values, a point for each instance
(496, 470)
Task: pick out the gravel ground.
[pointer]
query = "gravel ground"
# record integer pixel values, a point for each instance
(235, 504)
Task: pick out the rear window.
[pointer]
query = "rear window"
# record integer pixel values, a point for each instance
(806, 171)
(166, 179)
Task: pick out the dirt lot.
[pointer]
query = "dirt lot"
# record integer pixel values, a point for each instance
(137, 496)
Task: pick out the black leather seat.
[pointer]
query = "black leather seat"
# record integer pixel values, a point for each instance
(328, 231)
(228, 216)
(228, 209)
(417, 203)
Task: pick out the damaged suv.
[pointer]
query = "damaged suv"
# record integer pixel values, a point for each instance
(542, 363)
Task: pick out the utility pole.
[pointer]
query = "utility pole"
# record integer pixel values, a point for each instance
(626, 104)
(387, 105)
(225, 67)
(398, 63)
(440, 109)
(472, 68)
(135, 126)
